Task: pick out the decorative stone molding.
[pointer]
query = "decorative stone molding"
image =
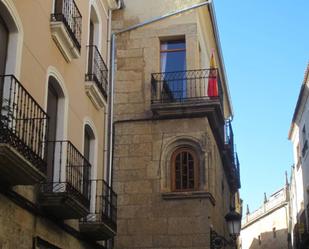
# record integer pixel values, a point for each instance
(63, 41)
(189, 195)
(95, 95)
(167, 151)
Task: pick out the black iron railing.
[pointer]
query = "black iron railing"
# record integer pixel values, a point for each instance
(105, 208)
(71, 171)
(182, 86)
(97, 69)
(231, 151)
(66, 11)
(229, 137)
(23, 123)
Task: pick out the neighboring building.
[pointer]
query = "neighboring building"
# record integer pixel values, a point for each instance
(175, 168)
(267, 227)
(299, 135)
(54, 58)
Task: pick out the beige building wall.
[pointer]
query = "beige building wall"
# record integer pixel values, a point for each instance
(267, 227)
(41, 58)
(150, 215)
(299, 200)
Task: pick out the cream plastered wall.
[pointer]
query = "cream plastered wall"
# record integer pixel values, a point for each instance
(263, 227)
(41, 56)
(40, 53)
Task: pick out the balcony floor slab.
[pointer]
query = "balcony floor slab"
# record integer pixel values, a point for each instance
(17, 170)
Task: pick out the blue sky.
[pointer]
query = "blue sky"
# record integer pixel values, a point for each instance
(266, 50)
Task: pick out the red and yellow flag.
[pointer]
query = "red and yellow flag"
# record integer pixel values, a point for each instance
(212, 90)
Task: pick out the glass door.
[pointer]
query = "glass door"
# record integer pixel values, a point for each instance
(173, 64)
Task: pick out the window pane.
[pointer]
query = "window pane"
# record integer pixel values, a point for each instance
(173, 45)
(173, 61)
(184, 171)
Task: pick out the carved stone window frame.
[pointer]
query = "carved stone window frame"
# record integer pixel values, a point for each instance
(173, 145)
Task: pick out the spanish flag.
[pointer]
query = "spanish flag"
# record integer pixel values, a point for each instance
(212, 90)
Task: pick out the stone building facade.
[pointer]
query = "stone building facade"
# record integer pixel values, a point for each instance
(54, 60)
(267, 227)
(175, 171)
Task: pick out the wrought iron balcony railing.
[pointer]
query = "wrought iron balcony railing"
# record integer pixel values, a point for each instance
(97, 69)
(23, 123)
(66, 11)
(103, 213)
(70, 172)
(186, 86)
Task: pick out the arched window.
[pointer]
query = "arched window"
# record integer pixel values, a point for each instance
(184, 170)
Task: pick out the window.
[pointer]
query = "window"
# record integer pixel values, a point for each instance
(173, 58)
(184, 170)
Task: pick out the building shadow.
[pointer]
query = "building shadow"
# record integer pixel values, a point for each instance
(271, 240)
(300, 234)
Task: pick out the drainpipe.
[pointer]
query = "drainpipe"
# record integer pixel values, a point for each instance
(113, 71)
(109, 114)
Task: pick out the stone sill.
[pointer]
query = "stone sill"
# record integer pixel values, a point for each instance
(189, 195)
(95, 95)
(64, 41)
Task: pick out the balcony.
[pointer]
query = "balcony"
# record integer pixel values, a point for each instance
(66, 28)
(230, 157)
(186, 93)
(96, 77)
(66, 195)
(101, 224)
(23, 129)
